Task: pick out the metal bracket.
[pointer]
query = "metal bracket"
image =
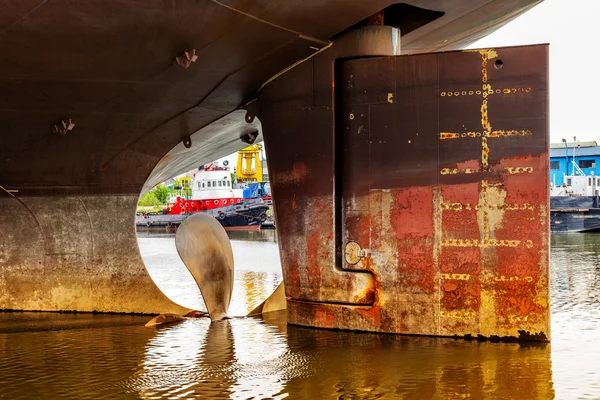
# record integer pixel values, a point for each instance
(63, 127)
(186, 59)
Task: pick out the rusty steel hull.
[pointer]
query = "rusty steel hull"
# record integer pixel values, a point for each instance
(100, 98)
(110, 67)
(413, 196)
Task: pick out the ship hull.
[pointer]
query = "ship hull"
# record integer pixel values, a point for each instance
(572, 221)
(240, 217)
(574, 214)
(103, 105)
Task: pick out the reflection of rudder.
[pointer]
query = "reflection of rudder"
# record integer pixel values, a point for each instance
(393, 366)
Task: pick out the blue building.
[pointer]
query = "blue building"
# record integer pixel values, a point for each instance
(585, 154)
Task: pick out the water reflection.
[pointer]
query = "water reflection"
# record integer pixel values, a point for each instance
(188, 359)
(375, 366)
(345, 365)
(575, 306)
(575, 286)
(264, 235)
(95, 356)
(74, 361)
(255, 288)
(253, 359)
(226, 359)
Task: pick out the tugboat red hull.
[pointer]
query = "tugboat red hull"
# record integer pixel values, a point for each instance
(243, 216)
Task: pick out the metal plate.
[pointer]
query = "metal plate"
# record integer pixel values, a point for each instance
(440, 171)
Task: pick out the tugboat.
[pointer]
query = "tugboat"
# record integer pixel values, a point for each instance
(212, 193)
(575, 205)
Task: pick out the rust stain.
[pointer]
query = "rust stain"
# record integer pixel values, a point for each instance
(519, 170)
(299, 171)
(414, 239)
(325, 318)
(293, 276)
(459, 277)
(164, 158)
(458, 314)
(516, 90)
(313, 244)
(447, 237)
(486, 91)
(506, 206)
(449, 287)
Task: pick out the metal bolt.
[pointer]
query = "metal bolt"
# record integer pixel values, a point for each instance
(63, 127)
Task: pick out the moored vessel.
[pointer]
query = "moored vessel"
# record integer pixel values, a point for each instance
(213, 193)
(575, 204)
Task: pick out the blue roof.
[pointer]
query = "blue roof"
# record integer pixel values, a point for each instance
(579, 152)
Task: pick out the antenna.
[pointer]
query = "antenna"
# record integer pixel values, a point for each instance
(574, 149)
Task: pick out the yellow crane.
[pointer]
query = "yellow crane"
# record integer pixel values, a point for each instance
(249, 166)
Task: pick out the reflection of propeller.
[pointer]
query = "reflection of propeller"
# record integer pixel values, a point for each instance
(204, 248)
(275, 302)
(163, 319)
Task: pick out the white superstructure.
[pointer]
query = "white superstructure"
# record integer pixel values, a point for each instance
(214, 182)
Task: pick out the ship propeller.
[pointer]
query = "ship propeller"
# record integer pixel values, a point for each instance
(204, 248)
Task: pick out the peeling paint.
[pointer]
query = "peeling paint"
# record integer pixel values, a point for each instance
(437, 233)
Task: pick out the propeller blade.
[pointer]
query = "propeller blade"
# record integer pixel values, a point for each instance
(204, 248)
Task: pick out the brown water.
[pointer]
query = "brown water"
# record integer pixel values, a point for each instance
(110, 356)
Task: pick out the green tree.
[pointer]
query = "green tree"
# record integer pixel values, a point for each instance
(162, 193)
(186, 193)
(149, 200)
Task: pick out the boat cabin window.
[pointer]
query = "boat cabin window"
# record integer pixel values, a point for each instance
(587, 164)
(554, 165)
(568, 181)
(202, 184)
(590, 181)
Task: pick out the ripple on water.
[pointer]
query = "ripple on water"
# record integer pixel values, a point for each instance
(96, 356)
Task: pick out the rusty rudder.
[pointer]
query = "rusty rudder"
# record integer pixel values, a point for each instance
(412, 191)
